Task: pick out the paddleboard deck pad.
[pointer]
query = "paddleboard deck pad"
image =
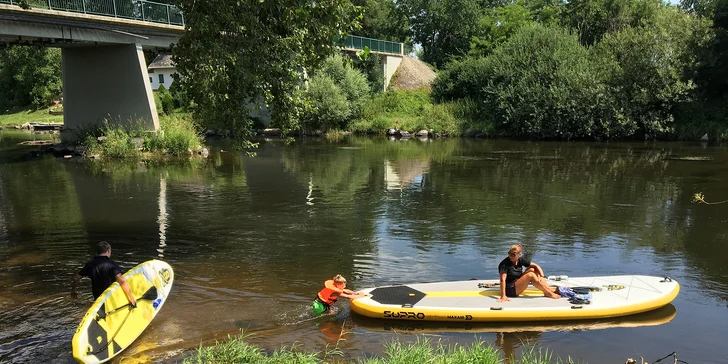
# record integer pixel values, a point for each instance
(477, 301)
(110, 325)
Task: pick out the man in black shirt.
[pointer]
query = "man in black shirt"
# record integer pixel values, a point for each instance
(103, 272)
(514, 280)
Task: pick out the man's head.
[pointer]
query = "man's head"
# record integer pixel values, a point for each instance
(103, 248)
(339, 280)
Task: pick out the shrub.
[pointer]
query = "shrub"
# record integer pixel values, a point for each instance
(334, 96)
(328, 104)
(165, 99)
(179, 135)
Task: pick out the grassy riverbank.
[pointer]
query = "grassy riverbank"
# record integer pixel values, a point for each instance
(424, 350)
(413, 111)
(27, 115)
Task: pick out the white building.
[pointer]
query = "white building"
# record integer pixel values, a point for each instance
(161, 71)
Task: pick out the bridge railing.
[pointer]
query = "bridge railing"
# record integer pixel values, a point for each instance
(127, 9)
(375, 45)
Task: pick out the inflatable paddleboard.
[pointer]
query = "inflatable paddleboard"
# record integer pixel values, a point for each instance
(110, 325)
(476, 301)
(656, 317)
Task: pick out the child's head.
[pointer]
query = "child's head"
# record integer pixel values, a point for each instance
(339, 280)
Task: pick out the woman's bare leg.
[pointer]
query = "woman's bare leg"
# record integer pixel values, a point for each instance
(530, 277)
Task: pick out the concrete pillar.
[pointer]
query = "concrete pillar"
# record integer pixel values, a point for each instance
(390, 65)
(107, 83)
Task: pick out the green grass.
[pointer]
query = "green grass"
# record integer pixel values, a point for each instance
(178, 136)
(26, 115)
(422, 351)
(414, 111)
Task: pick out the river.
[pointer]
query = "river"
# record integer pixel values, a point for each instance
(252, 240)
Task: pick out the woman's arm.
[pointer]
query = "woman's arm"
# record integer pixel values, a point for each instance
(537, 268)
(503, 297)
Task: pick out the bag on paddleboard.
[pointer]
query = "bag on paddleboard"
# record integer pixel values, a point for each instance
(576, 295)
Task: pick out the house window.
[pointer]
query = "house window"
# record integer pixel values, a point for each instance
(150, 79)
(161, 79)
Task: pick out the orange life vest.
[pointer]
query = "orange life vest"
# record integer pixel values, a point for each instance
(330, 293)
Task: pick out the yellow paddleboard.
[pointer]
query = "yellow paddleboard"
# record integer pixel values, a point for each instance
(110, 325)
(477, 301)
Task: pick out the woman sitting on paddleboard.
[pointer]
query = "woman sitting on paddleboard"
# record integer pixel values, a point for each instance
(513, 280)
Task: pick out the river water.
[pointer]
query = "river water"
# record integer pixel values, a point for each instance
(252, 240)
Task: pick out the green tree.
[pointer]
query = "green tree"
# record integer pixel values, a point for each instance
(29, 75)
(443, 28)
(498, 25)
(657, 67)
(370, 64)
(592, 19)
(705, 8)
(382, 19)
(238, 55)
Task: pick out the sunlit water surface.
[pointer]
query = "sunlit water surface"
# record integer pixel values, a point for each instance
(252, 240)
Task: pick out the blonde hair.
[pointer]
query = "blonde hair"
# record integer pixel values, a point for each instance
(339, 279)
(515, 248)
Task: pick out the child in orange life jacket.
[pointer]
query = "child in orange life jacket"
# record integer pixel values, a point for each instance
(333, 289)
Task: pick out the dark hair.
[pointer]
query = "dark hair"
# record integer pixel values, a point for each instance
(102, 247)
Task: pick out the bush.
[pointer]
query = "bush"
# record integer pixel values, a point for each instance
(179, 135)
(334, 96)
(541, 83)
(398, 102)
(462, 79)
(328, 106)
(657, 64)
(118, 142)
(165, 99)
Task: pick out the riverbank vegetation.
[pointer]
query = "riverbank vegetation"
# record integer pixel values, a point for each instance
(579, 69)
(595, 70)
(237, 350)
(22, 115)
(179, 135)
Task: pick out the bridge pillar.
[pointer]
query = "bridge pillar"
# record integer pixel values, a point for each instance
(390, 65)
(107, 82)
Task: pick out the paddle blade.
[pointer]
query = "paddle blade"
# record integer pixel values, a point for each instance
(150, 294)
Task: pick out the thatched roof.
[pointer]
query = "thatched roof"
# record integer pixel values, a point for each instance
(412, 74)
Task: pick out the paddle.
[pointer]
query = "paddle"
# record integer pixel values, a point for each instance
(150, 294)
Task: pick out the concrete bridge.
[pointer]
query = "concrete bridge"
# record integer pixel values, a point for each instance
(102, 41)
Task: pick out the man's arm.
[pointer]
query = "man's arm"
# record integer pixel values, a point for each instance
(125, 286)
(74, 283)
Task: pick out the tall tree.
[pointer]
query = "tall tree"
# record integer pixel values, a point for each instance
(382, 19)
(29, 75)
(236, 55)
(444, 28)
(592, 19)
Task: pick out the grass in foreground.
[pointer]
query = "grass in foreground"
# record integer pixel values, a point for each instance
(236, 350)
(27, 115)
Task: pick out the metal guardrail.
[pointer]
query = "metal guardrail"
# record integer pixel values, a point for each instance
(374, 45)
(125, 9)
(169, 14)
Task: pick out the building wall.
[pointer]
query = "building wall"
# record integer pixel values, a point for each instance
(165, 73)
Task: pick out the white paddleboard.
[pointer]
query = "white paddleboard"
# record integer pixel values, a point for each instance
(477, 300)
